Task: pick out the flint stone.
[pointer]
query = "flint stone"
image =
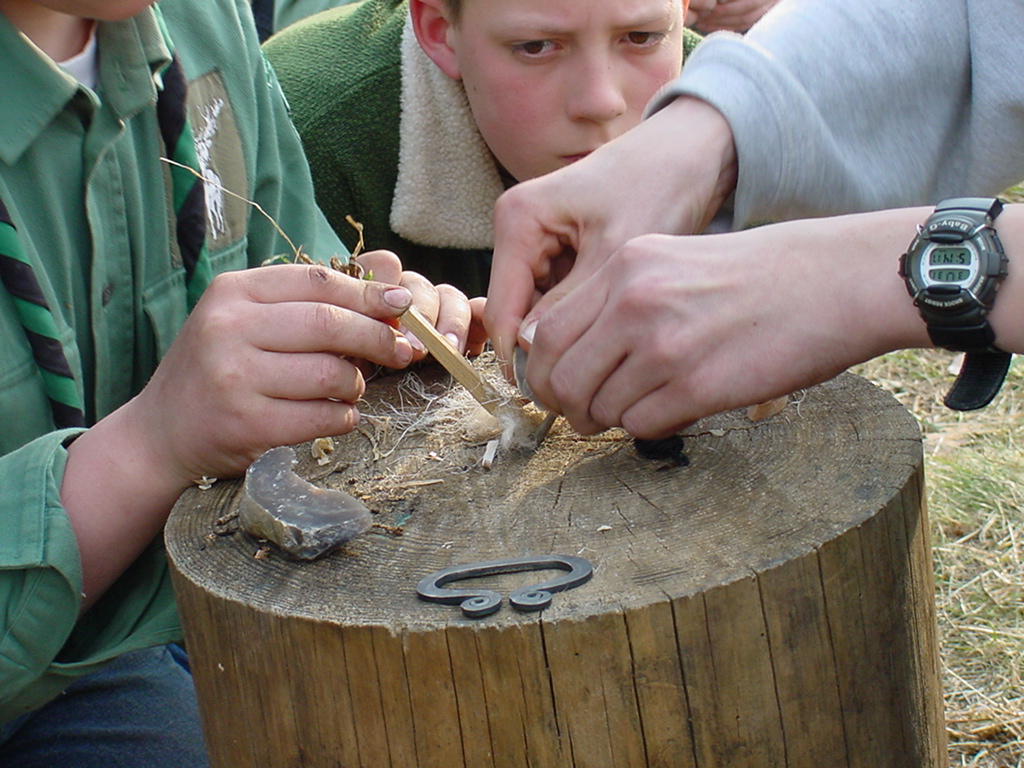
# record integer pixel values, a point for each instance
(303, 520)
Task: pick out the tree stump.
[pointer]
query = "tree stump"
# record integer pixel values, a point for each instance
(770, 604)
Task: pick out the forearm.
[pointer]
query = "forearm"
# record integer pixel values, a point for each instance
(700, 181)
(117, 495)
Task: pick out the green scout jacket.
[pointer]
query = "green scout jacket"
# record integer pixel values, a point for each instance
(81, 175)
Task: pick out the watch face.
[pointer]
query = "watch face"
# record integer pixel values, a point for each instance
(947, 264)
(958, 275)
(952, 270)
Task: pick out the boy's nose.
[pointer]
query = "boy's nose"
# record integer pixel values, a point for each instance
(595, 94)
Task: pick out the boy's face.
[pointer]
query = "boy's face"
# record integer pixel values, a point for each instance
(550, 81)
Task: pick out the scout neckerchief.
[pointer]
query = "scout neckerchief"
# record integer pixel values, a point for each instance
(189, 203)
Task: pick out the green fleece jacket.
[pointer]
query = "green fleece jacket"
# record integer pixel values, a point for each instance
(391, 140)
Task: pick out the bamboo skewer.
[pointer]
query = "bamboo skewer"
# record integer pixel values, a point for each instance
(454, 362)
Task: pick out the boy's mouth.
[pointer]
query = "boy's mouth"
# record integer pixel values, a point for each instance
(569, 159)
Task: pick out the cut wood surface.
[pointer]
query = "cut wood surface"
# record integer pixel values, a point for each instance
(771, 604)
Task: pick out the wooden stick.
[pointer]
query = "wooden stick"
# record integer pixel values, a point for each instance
(454, 362)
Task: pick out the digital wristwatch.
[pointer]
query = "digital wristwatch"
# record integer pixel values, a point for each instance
(953, 269)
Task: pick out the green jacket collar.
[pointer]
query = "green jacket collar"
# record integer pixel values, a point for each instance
(36, 90)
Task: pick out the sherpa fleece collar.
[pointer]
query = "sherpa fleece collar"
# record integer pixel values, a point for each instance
(448, 180)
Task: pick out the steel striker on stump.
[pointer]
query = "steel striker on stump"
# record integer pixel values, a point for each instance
(770, 604)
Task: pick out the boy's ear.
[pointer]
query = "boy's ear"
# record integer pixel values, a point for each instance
(430, 22)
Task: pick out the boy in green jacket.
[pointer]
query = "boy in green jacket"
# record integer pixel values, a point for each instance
(137, 352)
(417, 114)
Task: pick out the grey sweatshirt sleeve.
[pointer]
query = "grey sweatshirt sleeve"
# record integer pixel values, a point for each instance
(839, 107)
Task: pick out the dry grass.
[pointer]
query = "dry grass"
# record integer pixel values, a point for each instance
(975, 481)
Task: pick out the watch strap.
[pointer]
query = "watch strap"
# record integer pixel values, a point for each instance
(974, 338)
(989, 206)
(979, 380)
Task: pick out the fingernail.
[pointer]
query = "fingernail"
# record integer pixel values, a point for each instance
(403, 353)
(416, 343)
(527, 333)
(452, 339)
(399, 298)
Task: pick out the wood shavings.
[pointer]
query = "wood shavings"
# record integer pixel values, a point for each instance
(420, 483)
(205, 483)
(322, 448)
(489, 453)
(766, 410)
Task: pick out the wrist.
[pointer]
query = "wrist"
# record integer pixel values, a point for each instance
(861, 253)
(112, 465)
(706, 168)
(117, 495)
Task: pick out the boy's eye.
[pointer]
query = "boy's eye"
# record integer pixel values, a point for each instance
(533, 47)
(645, 38)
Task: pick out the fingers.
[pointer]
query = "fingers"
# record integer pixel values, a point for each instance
(477, 336)
(644, 376)
(612, 342)
(426, 299)
(299, 420)
(444, 305)
(381, 266)
(528, 234)
(316, 284)
(543, 303)
(566, 384)
(424, 293)
(454, 315)
(307, 377)
(300, 308)
(657, 415)
(302, 326)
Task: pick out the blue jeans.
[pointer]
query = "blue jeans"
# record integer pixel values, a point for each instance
(137, 712)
